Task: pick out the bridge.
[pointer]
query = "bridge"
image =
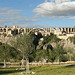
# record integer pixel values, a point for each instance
(56, 30)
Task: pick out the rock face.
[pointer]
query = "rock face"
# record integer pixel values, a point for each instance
(5, 39)
(46, 46)
(40, 45)
(68, 44)
(49, 46)
(65, 43)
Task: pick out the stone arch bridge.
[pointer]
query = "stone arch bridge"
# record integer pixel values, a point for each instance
(50, 30)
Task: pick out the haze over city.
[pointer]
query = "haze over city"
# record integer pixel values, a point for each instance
(37, 13)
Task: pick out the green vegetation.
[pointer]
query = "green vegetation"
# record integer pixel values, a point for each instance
(24, 43)
(25, 46)
(9, 29)
(50, 38)
(55, 70)
(60, 52)
(40, 55)
(49, 55)
(56, 54)
(5, 35)
(7, 52)
(72, 39)
(10, 71)
(42, 70)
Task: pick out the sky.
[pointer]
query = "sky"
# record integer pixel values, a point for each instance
(37, 13)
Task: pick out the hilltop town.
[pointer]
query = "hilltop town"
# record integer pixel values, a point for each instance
(61, 32)
(7, 33)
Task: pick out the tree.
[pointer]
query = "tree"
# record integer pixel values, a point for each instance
(40, 55)
(4, 53)
(51, 55)
(72, 39)
(59, 51)
(50, 38)
(24, 43)
(7, 52)
(70, 53)
(45, 54)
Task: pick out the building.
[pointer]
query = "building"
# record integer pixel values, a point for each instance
(61, 32)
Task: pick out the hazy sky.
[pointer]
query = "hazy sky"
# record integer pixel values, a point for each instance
(37, 13)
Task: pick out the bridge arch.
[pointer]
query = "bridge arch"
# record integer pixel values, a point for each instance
(42, 29)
